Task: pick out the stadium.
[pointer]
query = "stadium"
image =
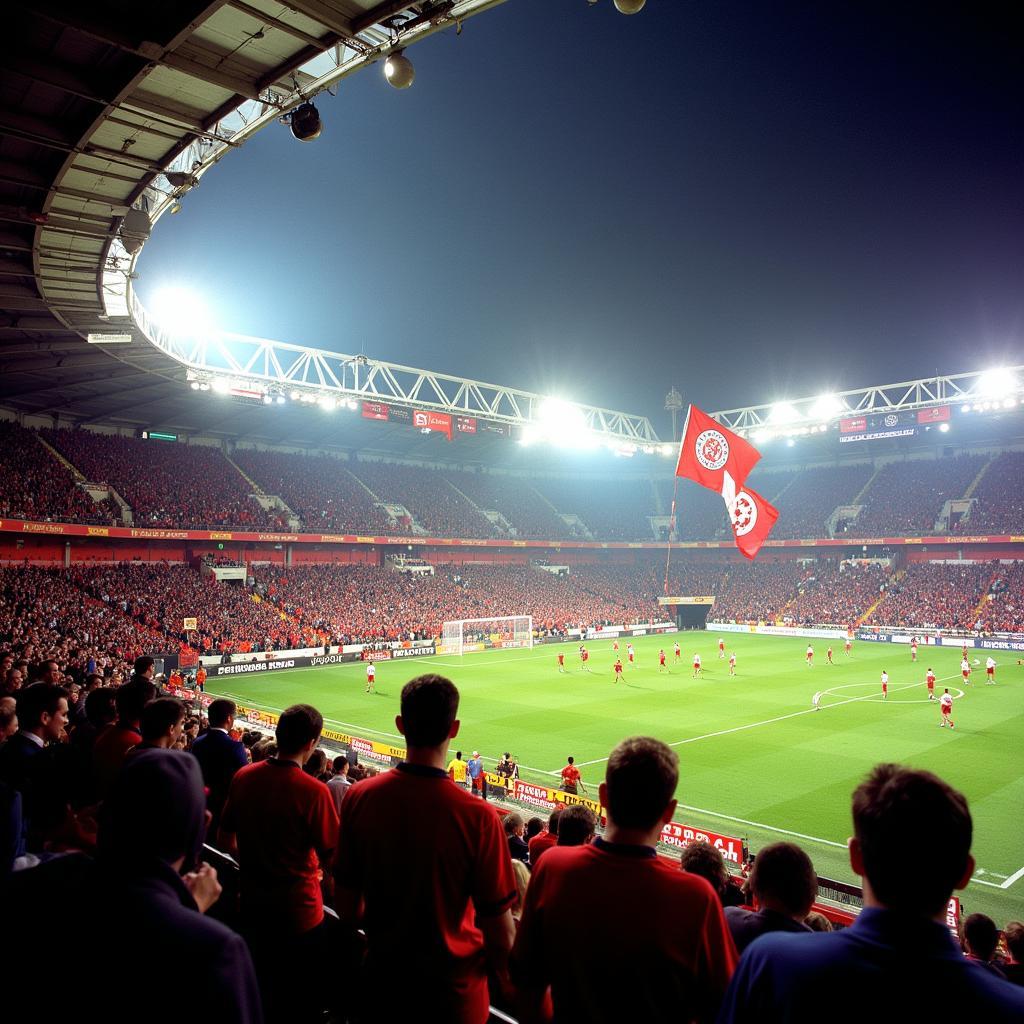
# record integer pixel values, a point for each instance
(203, 527)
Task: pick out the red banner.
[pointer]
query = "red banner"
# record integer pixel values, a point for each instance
(375, 655)
(937, 415)
(674, 834)
(466, 424)
(375, 411)
(853, 425)
(427, 419)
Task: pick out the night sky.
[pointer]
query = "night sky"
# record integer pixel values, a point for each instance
(749, 201)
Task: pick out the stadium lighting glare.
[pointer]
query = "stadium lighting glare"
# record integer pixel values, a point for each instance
(327, 404)
(965, 408)
(295, 396)
(181, 312)
(564, 425)
(350, 404)
(783, 413)
(194, 385)
(826, 407)
(996, 383)
(268, 400)
(790, 443)
(280, 399)
(1009, 403)
(221, 386)
(944, 428)
(762, 435)
(398, 70)
(668, 449)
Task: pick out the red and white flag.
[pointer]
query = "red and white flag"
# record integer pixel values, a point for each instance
(713, 455)
(752, 519)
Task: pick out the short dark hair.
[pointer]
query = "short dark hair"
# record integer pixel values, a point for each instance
(783, 879)
(132, 697)
(534, 827)
(297, 726)
(898, 809)
(158, 716)
(93, 681)
(101, 705)
(576, 825)
(429, 706)
(981, 936)
(8, 712)
(143, 664)
(340, 764)
(641, 777)
(37, 700)
(553, 817)
(1014, 933)
(220, 712)
(701, 858)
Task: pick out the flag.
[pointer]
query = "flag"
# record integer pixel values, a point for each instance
(752, 520)
(713, 455)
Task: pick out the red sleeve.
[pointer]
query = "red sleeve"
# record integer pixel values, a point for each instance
(494, 887)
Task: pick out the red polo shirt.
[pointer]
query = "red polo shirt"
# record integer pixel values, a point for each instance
(286, 827)
(538, 844)
(427, 859)
(653, 946)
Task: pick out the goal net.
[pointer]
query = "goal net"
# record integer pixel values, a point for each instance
(463, 636)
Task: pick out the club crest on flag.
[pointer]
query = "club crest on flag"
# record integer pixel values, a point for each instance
(712, 449)
(744, 514)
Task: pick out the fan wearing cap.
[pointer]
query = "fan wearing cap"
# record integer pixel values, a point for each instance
(478, 784)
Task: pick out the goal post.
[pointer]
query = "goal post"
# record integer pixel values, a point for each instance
(463, 636)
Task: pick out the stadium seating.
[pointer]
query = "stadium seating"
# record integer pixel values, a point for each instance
(934, 596)
(165, 484)
(1003, 611)
(906, 497)
(38, 487)
(613, 509)
(837, 594)
(318, 489)
(999, 505)
(811, 497)
(437, 506)
(517, 500)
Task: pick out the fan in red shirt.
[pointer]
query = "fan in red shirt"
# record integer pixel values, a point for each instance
(675, 958)
(424, 868)
(571, 777)
(545, 840)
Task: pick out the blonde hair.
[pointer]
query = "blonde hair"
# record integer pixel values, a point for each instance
(522, 873)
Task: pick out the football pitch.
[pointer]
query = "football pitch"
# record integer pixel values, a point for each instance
(756, 759)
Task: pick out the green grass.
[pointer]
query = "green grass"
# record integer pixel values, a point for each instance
(756, 760)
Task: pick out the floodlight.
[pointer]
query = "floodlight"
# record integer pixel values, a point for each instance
(350, 404)
(221, 386)
(826, 407)
(195, 385)
(790, 443)
(326, 403)
(996, 383)
(181, 312)
(629, 6)
(305, 122)
(668, 449)
(760, 436)
(1009, 403)
(135, 229)
(268, 399)
(944, 428)
(965, 408)
(280, 399)
(783, 412)
(398, 70)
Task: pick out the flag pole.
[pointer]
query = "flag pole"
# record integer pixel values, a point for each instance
(671, 530)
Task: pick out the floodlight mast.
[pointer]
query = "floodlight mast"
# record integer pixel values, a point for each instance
(284, 368)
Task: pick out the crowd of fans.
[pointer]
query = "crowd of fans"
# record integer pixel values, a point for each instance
(166, 484)
(999, 498)
(934, 595)
(907, 497)
(108, 797)
(37, 487)
(433, 502)
(1003, 608)
(194, 486)
(516, 499)
(318, 489)
(811, 497)
(837, 593)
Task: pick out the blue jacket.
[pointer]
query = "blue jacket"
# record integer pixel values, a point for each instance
(219, 757)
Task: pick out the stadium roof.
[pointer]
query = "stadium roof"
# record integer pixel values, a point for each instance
(98, 104)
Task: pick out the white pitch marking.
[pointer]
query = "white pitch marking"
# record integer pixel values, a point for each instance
(1016, 876)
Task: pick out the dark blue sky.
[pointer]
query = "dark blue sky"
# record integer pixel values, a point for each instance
(749, 201)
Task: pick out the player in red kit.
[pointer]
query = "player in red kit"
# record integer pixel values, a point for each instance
(662, 667)
(561, 663)
(679, 653)
(732, 664)
(946, 707)
(721, 648)
(618, 669)
(930, 680)
(584, 658)
(848, 646)
(615, 646)
(885, 685)
(828, 656)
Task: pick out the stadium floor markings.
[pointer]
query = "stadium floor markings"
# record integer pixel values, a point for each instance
(1015, 877)
(876, 697)
(768, 721)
